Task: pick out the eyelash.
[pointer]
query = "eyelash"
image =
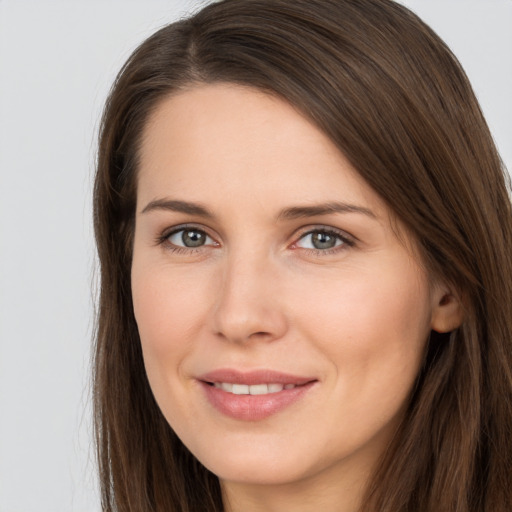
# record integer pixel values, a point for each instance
(347, 241)
(163, 239)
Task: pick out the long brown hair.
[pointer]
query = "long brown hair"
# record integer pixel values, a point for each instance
(394, 99)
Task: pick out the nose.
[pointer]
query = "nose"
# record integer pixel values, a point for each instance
(248, 305)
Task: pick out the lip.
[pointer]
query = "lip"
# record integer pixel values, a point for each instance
(253, 407)
(254, 377)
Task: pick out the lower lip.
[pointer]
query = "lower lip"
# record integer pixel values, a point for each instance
(253, 407)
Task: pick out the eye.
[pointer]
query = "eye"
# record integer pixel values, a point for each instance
(190, 238)
(323, 240)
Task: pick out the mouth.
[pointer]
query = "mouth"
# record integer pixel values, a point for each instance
(254, 389)
(255, 395)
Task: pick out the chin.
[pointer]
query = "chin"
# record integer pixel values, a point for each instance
(257, 472)
(258, 462)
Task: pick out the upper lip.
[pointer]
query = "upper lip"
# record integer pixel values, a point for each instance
(253, 377)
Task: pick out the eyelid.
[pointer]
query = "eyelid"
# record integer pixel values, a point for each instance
(347, 239)
(175, 234)
(163, 238)
(307, 230)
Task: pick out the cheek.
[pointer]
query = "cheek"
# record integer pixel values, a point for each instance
(372, 335)
(169, 317)
(372, 325)
(167, 312)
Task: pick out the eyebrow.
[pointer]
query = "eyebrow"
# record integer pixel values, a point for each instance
(297, 212)
(175, 205)
(291, 213)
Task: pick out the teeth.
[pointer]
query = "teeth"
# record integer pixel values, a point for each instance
(240, 389)
(258, 389)
(255, 389)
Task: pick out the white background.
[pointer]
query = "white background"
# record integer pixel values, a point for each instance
(57, 61)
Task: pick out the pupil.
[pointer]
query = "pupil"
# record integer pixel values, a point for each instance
(323, 241)
(193, 238)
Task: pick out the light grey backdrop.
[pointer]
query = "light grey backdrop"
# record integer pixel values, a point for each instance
(57, 61)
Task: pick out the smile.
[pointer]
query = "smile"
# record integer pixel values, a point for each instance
(254, 395)
(254, 389)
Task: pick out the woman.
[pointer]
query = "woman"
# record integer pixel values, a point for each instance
(304, 232)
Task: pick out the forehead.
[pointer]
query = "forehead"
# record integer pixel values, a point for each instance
(225, 141)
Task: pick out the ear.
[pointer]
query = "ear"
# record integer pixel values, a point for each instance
(447, 311)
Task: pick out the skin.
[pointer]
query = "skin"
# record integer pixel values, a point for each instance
(258, 295)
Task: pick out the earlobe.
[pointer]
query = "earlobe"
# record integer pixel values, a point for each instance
(447, 313)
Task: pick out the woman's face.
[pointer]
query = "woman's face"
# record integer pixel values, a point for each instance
(282, 321)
